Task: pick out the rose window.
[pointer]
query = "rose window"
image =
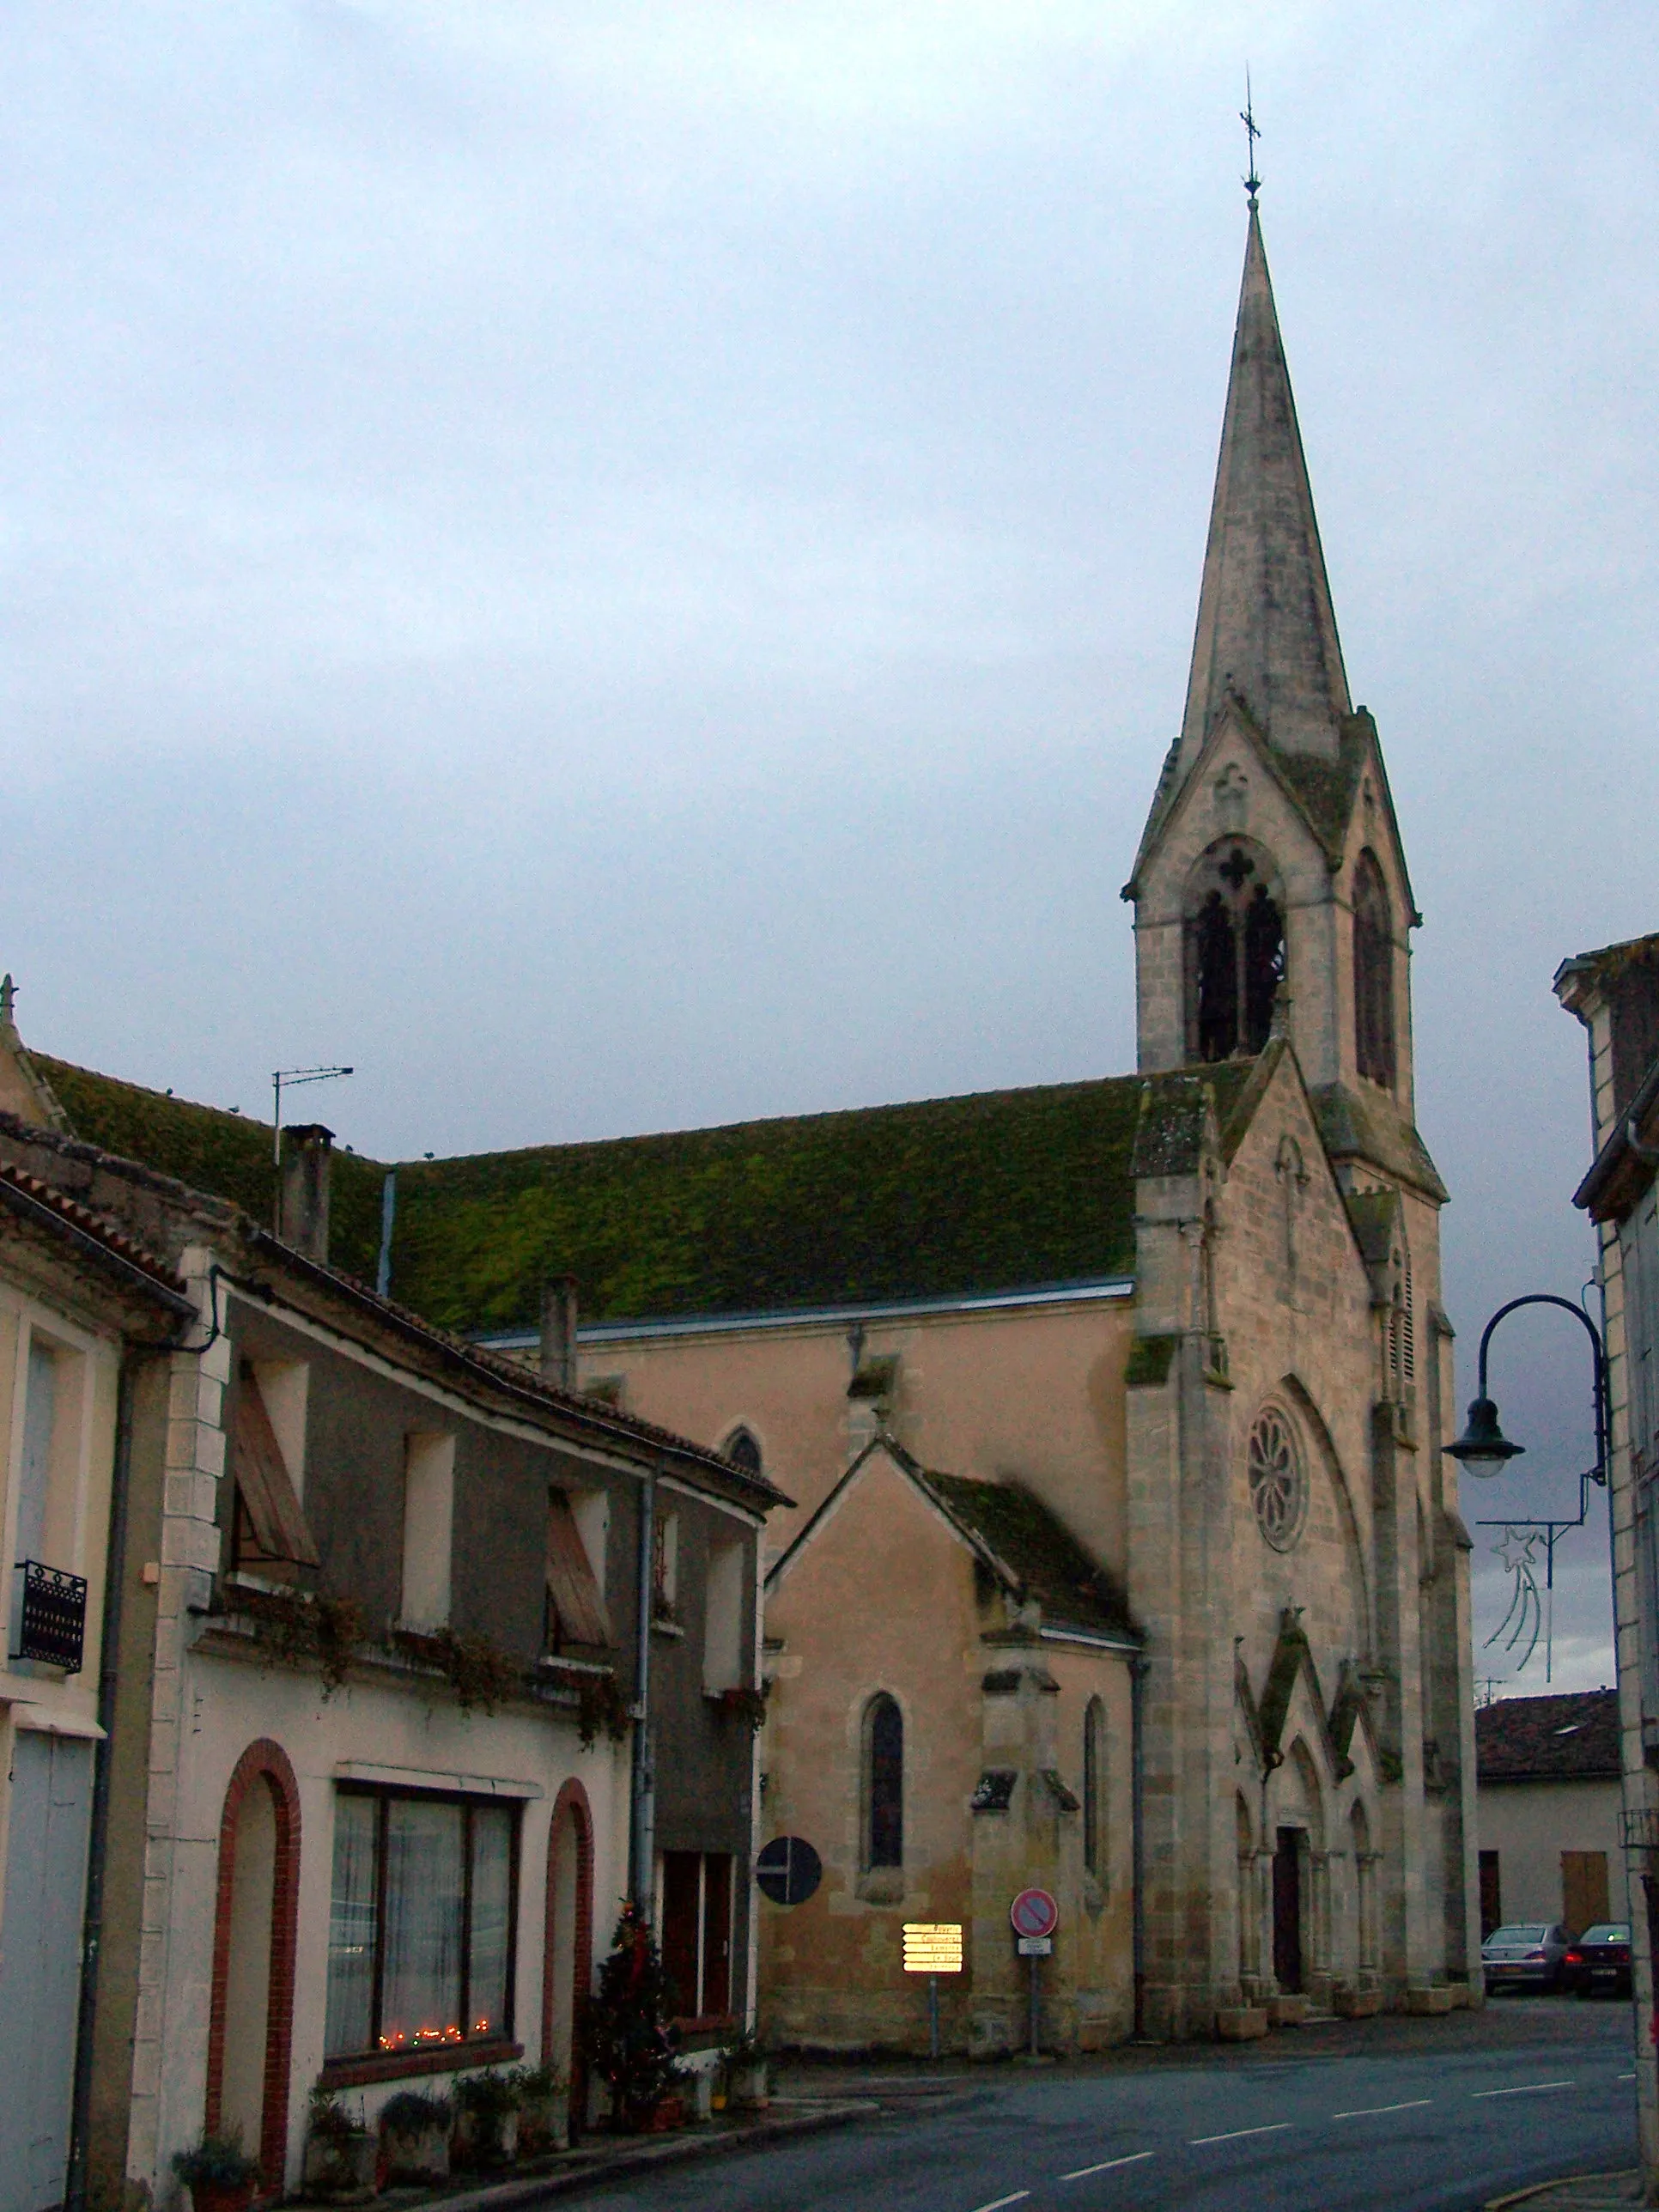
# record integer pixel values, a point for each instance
(1279, 1488)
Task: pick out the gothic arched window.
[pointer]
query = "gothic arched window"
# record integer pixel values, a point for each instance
(742, 1450)
(1094, 1788)
(1235, 951)
(1373, 973)
(883, 1783)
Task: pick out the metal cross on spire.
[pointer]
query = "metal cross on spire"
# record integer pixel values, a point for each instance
(1247, 116)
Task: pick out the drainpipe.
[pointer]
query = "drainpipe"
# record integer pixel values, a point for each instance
(388, 1217)
(92, 1932)
(1139, 1668)
(643, 1798)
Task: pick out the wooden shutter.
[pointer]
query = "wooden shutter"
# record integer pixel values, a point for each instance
(577, 1601)
(1583, 1889)
(267, 1495)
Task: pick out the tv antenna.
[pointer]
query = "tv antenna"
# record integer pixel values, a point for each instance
(291, 1079)
(1252, 131)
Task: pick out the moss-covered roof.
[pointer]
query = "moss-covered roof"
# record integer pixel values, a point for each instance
(949, 1197)
(229, 1155)
(1046, 1561)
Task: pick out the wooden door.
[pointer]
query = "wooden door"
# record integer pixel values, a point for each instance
(41, 1963)
(1287, 1911)
(717, 1933)
(1583, 1889)
(1491, 1895)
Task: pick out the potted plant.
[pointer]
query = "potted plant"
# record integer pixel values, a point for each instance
(544, 2108)
(745, 2071)
(341, 2152)
(219, 2173)
(415, 2136)
(487, 2119)
(625, 2030)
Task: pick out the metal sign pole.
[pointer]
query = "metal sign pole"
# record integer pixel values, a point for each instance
(1036, 2002)
(932, 2015)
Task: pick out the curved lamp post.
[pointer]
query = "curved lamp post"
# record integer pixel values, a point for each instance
(1483, 1451)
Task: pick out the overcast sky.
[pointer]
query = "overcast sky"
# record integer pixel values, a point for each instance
(626, 566)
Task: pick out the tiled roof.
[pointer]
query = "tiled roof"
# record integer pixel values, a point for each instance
(996, 1191)
(1571, 1738)
(30, 1197)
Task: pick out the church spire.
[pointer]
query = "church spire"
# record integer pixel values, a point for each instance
(1265, 627)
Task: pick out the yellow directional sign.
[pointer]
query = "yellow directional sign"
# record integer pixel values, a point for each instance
(932, 1948)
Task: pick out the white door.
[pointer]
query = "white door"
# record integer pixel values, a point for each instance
(40, 1928)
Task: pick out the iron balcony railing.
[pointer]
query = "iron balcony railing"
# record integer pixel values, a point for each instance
(49, 1615)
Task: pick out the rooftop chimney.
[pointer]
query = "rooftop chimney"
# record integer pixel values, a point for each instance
(559, 1332)
(302, 1207)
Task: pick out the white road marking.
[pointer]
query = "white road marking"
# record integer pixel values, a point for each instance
(1624, 2078)
(997, 2202)
(1106, 2165)
(1524, 2090)
(1233, 2134)
(1367, 2111)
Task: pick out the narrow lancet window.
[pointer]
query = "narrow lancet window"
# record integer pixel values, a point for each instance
(884, 1738)
(1234, 951)
(1373, 973)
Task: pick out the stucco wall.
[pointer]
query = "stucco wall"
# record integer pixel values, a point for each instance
(1530, 1824)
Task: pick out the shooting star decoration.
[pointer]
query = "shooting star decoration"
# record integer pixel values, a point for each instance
(1526, 1611)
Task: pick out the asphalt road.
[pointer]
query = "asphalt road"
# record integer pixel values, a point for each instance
(1430, 2130)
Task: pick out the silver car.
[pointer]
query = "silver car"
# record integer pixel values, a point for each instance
(1527, 1955)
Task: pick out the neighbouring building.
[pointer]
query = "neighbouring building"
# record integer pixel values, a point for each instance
(83, 1309)
(1122, 1558)
(370, 1738)
(1551, 1846)
(1614, 992)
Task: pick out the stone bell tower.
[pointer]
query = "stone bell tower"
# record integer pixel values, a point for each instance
(1295, 1558)
(1271, 856)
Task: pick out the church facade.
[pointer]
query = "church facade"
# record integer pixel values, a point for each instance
(1120, 1560)
(1191, 1321)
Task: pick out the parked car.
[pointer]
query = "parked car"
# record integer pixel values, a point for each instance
(1600, 1959)
(1527, 1954)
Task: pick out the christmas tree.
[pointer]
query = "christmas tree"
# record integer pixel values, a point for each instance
(628, 2041)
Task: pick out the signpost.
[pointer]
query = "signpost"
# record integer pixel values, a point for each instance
(1034, 1917)
(932, 1948)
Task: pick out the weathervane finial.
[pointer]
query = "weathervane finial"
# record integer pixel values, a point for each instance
(1247, 117)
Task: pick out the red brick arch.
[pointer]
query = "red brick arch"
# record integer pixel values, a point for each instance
(265, 1762)
(572, 1798)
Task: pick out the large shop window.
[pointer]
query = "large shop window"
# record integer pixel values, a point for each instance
(421, 1928)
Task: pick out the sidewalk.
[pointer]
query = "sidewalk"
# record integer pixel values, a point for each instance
(1584, 2193)
(604, 2158)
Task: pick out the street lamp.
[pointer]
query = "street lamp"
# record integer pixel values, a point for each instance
(1483, 1451)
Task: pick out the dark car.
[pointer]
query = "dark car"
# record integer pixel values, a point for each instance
(1527, 1954)
(1600, 1959)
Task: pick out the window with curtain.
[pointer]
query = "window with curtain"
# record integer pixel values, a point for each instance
(420, 1941)
(883, 1762)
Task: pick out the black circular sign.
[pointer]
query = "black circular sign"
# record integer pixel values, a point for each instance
(788, 1870)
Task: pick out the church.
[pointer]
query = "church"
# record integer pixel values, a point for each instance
(1121, 1559)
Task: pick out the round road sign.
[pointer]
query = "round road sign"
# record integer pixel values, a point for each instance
(1034, 1912)
(788, 1870)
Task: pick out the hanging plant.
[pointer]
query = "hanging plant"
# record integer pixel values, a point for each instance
(300, 1628)
(745, 1705)
(481, 1674)
(600, 1704)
